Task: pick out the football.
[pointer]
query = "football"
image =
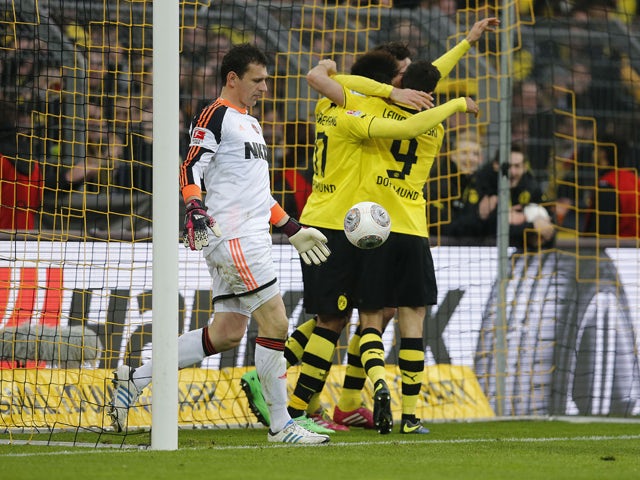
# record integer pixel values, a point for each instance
(367, 225)
(533, 212)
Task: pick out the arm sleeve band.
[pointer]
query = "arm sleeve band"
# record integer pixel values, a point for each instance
(446, 62)
(364, 85)
(416, 124)
(277, 213)
(191, 190)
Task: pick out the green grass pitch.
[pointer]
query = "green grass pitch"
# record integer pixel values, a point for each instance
(540, 449)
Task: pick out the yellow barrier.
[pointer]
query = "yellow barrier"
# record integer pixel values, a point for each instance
(45, 398)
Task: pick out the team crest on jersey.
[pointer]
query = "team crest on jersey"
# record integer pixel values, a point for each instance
(342, 303)
(197, 136)
(355, 113)
(256, 128)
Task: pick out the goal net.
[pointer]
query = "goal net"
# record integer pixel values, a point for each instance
(76, 200)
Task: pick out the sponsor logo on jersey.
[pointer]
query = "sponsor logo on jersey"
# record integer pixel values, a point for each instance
(256, 150)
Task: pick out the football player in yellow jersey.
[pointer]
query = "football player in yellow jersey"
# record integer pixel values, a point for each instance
(402, 267)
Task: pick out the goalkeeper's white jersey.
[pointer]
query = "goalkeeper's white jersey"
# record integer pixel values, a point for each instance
(228, 158)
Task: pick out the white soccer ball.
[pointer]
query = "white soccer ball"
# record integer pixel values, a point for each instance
(533, 212)
(367, 225)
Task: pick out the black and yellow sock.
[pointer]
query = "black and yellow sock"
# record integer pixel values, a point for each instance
(411, 364)
(315, 365)
(354, 377)
(297, 342)
(372, 354)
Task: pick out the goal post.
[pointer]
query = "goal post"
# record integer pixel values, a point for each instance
(166, 69)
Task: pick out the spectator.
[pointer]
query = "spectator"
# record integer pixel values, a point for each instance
(613, 207)
(452, 191)
(525, 232)
(532, 125)
(20, 178)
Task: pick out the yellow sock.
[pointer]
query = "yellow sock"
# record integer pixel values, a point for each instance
(354, 378)
(372, 354)
(297, 341)
(315, 365)
(411, 364)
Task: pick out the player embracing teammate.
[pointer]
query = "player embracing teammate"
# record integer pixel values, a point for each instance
(352, 154)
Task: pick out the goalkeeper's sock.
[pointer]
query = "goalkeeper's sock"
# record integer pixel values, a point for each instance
(191, 350)
(411, 365)
(372, 354)
(297, 341)
(354, 377)
(316, 362)
(272, 370)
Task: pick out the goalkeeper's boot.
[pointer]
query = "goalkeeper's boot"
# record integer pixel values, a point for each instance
(382, 417)
(322, 418)
(252, 387)
(308, 424)
(413, 426)
(360, 417)
(294, 433)
(125, 394)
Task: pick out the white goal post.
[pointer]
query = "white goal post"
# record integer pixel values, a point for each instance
(166, 70)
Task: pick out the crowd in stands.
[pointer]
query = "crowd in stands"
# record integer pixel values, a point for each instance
(575, 104)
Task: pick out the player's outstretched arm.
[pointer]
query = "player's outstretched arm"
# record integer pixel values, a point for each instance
(485, 25)
(420, 122)
(412, 98)
(446, 62)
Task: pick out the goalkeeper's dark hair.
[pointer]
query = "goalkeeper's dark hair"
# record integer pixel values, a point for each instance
(400, 50)
(238, 59)
(421, 75)
(377, 65)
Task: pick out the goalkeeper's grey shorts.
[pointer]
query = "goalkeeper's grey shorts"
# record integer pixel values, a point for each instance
(243, 274)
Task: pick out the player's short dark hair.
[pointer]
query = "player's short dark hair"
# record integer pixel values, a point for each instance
(377, 65)
(421, 75)
(238, 59)
(400, 50)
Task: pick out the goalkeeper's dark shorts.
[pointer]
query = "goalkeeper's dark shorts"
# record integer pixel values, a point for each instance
(398, 273)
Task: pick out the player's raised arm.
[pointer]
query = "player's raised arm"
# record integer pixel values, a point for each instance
(488, 24)
(319, 78)
(446, 62)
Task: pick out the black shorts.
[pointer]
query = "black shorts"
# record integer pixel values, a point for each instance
(398, 273)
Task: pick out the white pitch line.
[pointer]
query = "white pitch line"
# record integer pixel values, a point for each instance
(107, 448)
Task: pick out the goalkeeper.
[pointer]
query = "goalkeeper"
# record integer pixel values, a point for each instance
(228, 155)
